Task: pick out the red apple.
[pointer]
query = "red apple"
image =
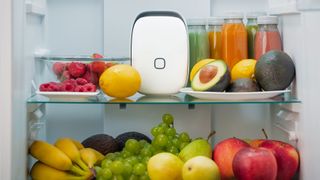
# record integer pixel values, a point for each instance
(254, 164)
(256, 142)
(223, 155)
(287, 158)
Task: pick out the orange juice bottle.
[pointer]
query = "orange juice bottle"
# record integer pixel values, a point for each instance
(234, 39)
(215, 38)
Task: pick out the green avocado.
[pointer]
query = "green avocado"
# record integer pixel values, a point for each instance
(102, 143)
(214, 76)
(243, 85)
(275, 70)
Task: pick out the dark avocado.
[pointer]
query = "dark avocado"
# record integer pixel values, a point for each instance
(214, 76)
(275, 70)
(243, 85)
(101, 142)
(122, 138)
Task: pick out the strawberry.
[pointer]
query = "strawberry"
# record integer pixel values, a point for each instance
(58, 68)
(98, 67)
(77, 69)
(97, 56)
(81, 81)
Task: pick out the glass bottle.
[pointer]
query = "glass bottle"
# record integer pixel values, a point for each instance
(234, 39)
(215, 37)
(267, 37)
(252, 28)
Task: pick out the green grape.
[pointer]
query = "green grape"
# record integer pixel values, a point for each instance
(117, 167)
(97, 169)
(132, 146)
(173, 150)
(134, 177)
(119, 158)
(170, 143)
(106, 163)
(116, 154)
(155, 131)
(139, 169)
(127, 169)
(110, 156)
(176, 142)
(125, 154)
(161, 140)
(147, 151)
(145, 159)
(139, 158)
(168, 119)
(144, 177)
(182, 145)
(161, 130)
(132, 160)
(105, 174)
(157, 151)
(171, 132)
(143, 143)
(184, 137)
(118, 177)
(164, 125)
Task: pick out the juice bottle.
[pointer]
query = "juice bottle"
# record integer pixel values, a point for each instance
(198, 41)
(252, 28)
(215, 37)
(268, 36)
(234, 40)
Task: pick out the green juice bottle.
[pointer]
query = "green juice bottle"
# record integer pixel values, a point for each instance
(252, 28)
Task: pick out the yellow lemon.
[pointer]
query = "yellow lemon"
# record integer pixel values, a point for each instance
(120, 81)
(243, 69)
(198, 66)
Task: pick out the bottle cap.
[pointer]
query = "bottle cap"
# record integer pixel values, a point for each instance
(267, 20)
(196, 21)
(215, 20)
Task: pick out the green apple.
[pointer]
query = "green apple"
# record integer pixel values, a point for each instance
(200, 167)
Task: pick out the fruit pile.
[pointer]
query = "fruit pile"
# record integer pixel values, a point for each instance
(275, 70)
(76, 76)
(131, 161)
(66, 159)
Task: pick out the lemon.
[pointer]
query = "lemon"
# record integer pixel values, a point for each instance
(120, 81)
(198, 66)
(243, 69)
(165, 166)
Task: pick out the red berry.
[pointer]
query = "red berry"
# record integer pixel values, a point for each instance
(72, 81)
(58, 68)
(91, 77)
(53, 86)
(97, 56)
(44, 87)
(77, 69)
(80, 89)
(65, 75)
(98, 67)
(109, 64)
(69, 87)
(90, 87)
(81, 81)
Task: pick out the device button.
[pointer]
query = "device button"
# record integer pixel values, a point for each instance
(159, 63)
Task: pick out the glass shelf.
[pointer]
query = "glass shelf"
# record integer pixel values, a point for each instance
(82, 58)
(180, 98)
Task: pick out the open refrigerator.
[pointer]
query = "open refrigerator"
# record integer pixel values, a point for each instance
(33, 28)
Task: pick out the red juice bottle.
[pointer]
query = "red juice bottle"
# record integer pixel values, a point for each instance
(268, 37)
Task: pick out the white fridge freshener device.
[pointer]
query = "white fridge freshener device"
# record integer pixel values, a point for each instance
(160, 51)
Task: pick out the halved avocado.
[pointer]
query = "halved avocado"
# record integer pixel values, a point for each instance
(214, 76)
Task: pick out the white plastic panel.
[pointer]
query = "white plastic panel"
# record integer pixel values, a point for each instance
(309, 4)
(283, 6)
(119, 17)
(219, 7)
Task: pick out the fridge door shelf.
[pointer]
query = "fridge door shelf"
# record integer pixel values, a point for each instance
(179, 98)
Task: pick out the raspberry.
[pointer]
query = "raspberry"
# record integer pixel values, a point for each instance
(81, 81)
(44, 87)
(58, 68)
(77, 69)
(72, 81)
(69, 87)
(91, 77)
(80, 89)
(65, 75)
(53, 86)
(90, 87)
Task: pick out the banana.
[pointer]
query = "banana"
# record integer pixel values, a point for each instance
(90, 156)
(67, 146)
(78, 144)
(52, 156)
(41, 171)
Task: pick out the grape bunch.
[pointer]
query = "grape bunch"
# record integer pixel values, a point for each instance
(131, 162)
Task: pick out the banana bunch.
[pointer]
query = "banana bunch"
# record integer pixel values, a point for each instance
(67, 159)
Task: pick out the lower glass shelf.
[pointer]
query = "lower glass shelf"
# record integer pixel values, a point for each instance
(179, 98)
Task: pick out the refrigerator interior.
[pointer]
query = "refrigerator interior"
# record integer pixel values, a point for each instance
(76, 27)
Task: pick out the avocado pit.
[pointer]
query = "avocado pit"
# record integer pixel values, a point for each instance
(207, 73)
